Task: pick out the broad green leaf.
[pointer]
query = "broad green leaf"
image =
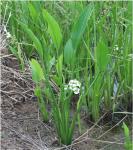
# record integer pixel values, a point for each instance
(81, 25)
(77, 34)
(53, 28)
(32, 36)
(68, 52)
(37, 72)
(101, 56)
(33, 12)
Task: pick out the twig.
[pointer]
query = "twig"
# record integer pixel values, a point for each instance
(111, 128)
(92, 140)
(89, 129)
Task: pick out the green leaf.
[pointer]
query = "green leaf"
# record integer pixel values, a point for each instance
(18, 54)
(32, 37)
(101, 56)
(59, 65)
(68, 52)
(33, 12)
(53, 28)
(128, 144)
(41, 104)
(77, 34)
(37, 72)
(51, 63)
(126, 130)
(81, 25)
(14, 51)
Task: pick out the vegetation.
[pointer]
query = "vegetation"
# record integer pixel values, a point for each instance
(63, 41)
(128, 143)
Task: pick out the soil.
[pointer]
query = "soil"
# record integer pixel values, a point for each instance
(22, 127)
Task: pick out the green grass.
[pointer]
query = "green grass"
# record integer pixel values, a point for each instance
(87, 41)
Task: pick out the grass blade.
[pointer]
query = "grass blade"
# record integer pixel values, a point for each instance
(32, 36)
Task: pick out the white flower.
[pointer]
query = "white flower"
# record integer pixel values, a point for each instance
(66, 87)
(73, 85)
(116, 48)
(76, 90)
(70, 87)
(130, 56)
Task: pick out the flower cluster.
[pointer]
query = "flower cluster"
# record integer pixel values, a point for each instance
(130, 56)
(116, 48)
(73, 85)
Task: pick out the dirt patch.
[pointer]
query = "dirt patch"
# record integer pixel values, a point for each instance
(22, 127)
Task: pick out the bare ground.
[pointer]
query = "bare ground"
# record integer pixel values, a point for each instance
(22, 127)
